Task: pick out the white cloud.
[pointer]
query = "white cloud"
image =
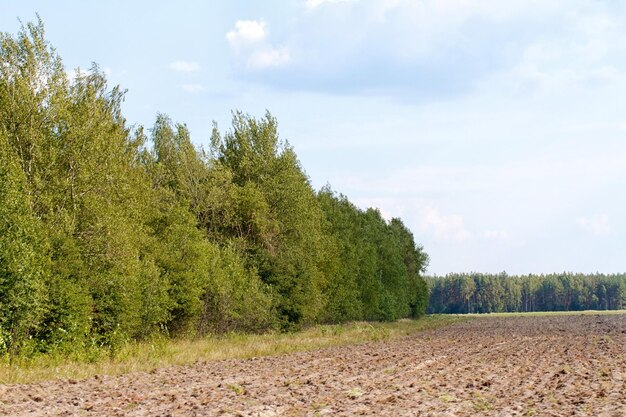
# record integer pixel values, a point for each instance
(72, 74)
(495, 235)
(184, 66)
(411, 49)
(246, 32)
(251, 48)
(312, 4)
(388, 207)
(421, 214)
(193, 88)
(268, 58)
(443, 227)
(598, 224)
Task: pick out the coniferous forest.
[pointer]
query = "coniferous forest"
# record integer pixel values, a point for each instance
(111, 232)
(489, 293)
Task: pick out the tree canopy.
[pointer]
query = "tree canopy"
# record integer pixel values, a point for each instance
(109, 232)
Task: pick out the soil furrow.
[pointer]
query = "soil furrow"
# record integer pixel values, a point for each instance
(513, 366)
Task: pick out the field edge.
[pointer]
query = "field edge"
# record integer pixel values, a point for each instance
(163, 352)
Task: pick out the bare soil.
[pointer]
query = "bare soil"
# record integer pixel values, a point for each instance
(570, 365)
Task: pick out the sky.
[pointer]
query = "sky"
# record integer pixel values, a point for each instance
(495, 129)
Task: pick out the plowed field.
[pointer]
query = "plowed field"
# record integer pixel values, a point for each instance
(502, 366)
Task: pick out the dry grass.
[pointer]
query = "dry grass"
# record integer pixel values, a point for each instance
(158, 353)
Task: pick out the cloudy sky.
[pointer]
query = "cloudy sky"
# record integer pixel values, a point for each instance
(495, 129)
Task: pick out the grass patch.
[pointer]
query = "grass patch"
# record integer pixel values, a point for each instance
(481, 404)
(159, 353)
(447, 398)
(355, 393)
(237, 389)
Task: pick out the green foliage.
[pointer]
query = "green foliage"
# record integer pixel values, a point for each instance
(235, 298)
(109, 235)
(277, 221)
(87, 189)
(23, 263)
(379, 265)
(217, 292)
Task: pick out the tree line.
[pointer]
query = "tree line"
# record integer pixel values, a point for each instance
(111, 232)
(494, 293)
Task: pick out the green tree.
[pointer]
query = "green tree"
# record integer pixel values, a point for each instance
(108, 234)
(23, 251)
(210, 286)
(277, 222)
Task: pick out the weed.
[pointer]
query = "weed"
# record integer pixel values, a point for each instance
(391, 371)
(481, 404)
(319, 406)
(355, 393)
(447, 398)
(237, 389)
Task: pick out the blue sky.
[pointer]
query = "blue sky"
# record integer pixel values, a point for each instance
(495, 129)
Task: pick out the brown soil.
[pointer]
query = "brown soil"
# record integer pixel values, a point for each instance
(514, 366)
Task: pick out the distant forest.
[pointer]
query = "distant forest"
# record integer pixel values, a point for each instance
(485, 293)
(110, 232)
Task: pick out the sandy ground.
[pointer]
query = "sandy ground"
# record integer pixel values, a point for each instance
(514, 366)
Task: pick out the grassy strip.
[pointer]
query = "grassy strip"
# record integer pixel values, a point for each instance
(545, 313)
(158, 353)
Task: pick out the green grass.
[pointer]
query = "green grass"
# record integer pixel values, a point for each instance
(158, 353)
(544, 313)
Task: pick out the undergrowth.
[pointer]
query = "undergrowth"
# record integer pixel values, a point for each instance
(160, 352)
